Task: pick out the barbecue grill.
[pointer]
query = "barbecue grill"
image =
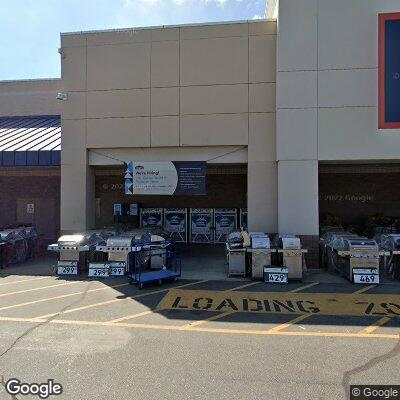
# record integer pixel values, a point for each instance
(391, 243)
(290, 255)
(76, 251)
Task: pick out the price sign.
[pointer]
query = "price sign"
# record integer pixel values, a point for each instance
(276, 275)
(67, 268)
(117, 268)
(365, 276)
(98, 270)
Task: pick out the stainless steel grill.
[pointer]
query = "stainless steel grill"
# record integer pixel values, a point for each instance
(390, 243)
(290, 255)
(77, 250)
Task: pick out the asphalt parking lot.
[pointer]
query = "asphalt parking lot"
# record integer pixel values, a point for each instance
(198, 339)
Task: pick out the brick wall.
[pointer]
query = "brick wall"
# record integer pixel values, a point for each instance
(44, 189)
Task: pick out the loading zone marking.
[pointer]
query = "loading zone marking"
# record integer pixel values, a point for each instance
(283, 303)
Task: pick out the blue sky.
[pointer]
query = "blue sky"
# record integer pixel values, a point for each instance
(29, 29)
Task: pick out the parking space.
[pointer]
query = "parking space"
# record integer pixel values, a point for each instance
(224, 307)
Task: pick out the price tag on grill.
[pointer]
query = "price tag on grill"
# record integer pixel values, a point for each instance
(366, 275)
(117, 268)
(67, 268)
(276, 275)
(98, 270)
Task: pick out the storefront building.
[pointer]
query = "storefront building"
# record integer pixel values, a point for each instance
(285, 111)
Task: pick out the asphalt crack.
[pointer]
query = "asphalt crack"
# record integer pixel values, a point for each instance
(368, 365)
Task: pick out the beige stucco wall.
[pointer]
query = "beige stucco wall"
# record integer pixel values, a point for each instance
(175, 87)
(29, 97)
(327, 99)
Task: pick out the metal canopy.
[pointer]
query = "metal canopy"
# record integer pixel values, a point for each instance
(30, 141)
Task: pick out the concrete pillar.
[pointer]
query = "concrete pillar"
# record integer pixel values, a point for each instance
(298, 197)
(262, 196)
(77, 179)
(262, 174)
(297, 122)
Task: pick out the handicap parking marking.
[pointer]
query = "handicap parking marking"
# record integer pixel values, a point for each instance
(353, 304)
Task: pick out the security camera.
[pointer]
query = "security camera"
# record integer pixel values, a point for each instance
(62, 96)
(61, 52)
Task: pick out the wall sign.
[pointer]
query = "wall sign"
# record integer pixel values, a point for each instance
(389, 71)
(151, 217)
(166, 178)
(225, 223)
(176, 223)
(201, 225)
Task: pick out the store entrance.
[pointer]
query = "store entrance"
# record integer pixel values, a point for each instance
(200, 243)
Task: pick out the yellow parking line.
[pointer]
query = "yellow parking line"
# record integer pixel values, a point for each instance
(344, 335)
(364, 289)
(118, 300)
(375, 325)
(148, 312)
(243, 286)
(305, 316)
(304, 287)
(285, 325)
(289, 323)
(215, 317)
(40, 288)
(212, 318)
(63, 296)
(26, 280)
(158, 310)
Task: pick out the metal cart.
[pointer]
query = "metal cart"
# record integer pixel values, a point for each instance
(144, 273)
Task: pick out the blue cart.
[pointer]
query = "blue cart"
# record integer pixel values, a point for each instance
(155, 265)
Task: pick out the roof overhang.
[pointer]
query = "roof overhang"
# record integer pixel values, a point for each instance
(30, 141)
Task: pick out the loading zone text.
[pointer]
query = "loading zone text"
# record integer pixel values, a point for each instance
(283, 303)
